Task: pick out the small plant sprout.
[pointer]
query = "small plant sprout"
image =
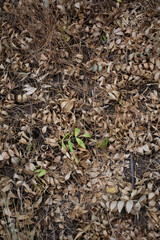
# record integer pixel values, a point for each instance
(104, 143)
(41, 172)
(70, 137)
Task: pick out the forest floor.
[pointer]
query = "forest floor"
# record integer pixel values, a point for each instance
(80, 120)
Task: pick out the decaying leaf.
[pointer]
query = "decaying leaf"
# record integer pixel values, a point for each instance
(120, 206)
(68, 176)
(112, 190)
(113, 205)
(129, 206)
(29, 90)
(67, 105)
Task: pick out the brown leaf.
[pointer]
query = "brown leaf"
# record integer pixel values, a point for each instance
(67, 105)
(68, 176)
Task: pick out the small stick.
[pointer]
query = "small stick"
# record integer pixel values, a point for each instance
(132, 171)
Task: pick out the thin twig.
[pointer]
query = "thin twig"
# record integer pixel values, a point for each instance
(132, 171)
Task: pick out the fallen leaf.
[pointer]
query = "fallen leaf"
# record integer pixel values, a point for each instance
(129, 206)
(112, 190)
(120, 206)
(68, 176)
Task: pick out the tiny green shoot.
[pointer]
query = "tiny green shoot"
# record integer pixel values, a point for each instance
(77, 131)
(69, 137)
(70, 146)
(80, 142)
(104, 143)
(41, 172)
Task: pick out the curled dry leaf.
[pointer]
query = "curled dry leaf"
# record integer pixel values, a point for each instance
(105, 197)
(11, 152)
(6, 188)
(129, 206)
(68, 176)
(137, 207)
(120, 206)
(67, 105)
(5, 156)
(113, 205)
(142, 199)
(79, 235)
(29, 90)
(48, 202)
(7, 211)
(157, 76)
(151, 195)
(152, 203)
(79, 58)
(112, 190)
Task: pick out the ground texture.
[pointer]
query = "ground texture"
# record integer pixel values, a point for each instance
(79, 120)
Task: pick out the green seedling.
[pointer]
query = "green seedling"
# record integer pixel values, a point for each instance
(77, 131)
(121, 102)
(104, 143)
(66, 37)
(68, 137)
(80, 143)
(86, 135)
(104, 39)
(41, 172)
(70, 146)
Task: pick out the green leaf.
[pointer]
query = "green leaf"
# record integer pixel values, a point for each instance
(75, 158)
(63, 145)
(87, 135)
(70, 146)
(104, 38)
(65, 136)
(104, 143)
(121, 102)
(41, 172)
(80, 142)
(29, 146)
(119, 1)
(77, 131)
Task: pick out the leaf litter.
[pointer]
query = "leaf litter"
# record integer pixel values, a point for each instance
(79, 120)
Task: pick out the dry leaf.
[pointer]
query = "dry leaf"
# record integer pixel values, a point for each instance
(152, 203)
(5, 155)
(129, 206)
(151, 195)
(137, 207)
(78, 235)
(68, 176)
(112, 190)
(120, 206)
(67, 105)
(113, 205)
(29, 90)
